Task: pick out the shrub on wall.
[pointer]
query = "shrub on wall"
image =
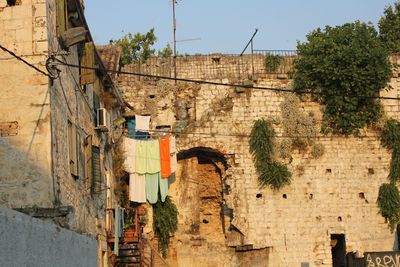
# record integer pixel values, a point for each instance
(272, 62)
(338, 63)
(390, 138)
(389, 204)
(165, 223)
(271, 173)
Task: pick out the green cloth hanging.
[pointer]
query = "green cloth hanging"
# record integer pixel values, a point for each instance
(164, 186)
(152, 180)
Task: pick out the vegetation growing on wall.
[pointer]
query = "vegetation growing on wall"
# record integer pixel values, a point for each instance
(389, 28)
(137, 47)
(338, 63)
(390, 138)
(389, 204)
(271, 173)
(272, 62)
(389, 197)
(299, 127)
(165, 223)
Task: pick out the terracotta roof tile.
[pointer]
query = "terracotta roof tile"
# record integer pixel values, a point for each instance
(110, 55)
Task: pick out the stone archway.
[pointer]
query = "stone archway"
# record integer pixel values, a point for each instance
(198, 193)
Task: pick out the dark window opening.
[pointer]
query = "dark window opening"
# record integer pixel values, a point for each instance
(13, 2)
(259, 195)
(284, 196)
(328, 170)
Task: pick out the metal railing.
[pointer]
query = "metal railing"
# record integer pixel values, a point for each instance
(216, 66)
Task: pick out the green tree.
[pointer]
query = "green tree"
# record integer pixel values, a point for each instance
(339, 63)
(137, 47)
(166, 52)
(389, 27)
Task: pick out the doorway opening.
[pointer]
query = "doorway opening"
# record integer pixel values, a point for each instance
(338, 244)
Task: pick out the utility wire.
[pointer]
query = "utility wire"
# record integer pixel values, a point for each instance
(244, 135)
(24, 61)
(274, 89)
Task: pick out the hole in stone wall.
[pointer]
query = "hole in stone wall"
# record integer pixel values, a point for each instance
(361, 195)
(339, 219)
(13, 2)
(259, 195)
(311, 196)
(328, 170)
(284, 196)
(205, 221)
(216, 60)
(152, 96)
(371, 171)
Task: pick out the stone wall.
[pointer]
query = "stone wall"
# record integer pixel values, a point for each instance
(26, 241)
(35, 163)
(333, 194)
(26, 176)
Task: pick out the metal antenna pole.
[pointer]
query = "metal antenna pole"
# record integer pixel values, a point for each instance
(174, 26)
(251, 40)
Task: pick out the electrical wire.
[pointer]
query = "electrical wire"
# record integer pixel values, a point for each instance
(24, 61)
(247, 135)
(265, 88)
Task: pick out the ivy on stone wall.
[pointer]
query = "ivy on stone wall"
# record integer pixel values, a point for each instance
(271, 173)
(390, 138)
(299, 127)
(165, 223)
(389, 197)
(389, 204)
(339, 63)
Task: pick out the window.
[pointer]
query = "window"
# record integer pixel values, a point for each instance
(96, 106)
(96, 167)
(72, 149)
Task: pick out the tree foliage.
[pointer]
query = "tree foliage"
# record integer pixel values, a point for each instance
(166, 52)
(389, 28)
(271, 173)
(137, 47)
(338, 63)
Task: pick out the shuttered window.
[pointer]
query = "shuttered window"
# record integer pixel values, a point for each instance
(61, 16)
(72, 149)
(96, 106)
(96, 166)
(87, 60)
(89, 168)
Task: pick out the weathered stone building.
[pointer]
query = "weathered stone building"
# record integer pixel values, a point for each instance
(57, 131)
(225, 219)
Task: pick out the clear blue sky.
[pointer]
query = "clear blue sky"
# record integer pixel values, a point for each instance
(225, 26)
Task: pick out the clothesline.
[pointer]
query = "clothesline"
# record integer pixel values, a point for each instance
(151, 165)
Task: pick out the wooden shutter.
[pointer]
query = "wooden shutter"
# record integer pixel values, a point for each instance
(87, 60)
(89, 168)
(96, 165)
(72, 144)
(61, 16)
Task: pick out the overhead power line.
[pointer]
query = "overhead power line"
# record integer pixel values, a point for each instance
(24, 61)
(265, 88)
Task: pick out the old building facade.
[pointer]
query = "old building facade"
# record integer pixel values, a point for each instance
(58, 125)
(225, 219)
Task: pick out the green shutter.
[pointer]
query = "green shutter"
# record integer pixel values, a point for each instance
(61, 17)
(87, 60)
(96, 167)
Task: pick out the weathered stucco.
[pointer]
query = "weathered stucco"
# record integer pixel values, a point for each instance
(333, 194)
(26, 241)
